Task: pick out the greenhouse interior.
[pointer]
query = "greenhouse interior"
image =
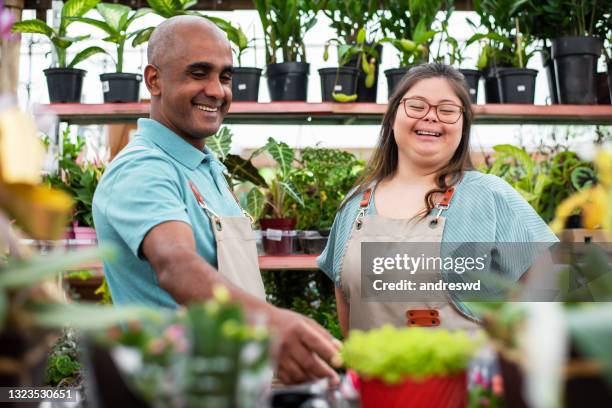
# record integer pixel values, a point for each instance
(306, 203)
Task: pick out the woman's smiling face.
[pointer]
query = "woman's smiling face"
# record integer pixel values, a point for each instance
(428, 142)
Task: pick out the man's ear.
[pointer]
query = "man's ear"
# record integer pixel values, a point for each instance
(152, 79)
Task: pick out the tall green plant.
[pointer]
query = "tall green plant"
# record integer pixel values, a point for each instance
(59, 37)
(508, 38)
(407, 25)
(285, 22)
(116, 20)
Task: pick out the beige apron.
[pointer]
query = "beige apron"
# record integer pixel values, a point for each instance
(373, 228)
(236, 249)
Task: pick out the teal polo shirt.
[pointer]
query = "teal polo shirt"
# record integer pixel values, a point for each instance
(148, 184)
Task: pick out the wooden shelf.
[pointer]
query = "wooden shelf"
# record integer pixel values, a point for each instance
(328, 113)
(268, 262)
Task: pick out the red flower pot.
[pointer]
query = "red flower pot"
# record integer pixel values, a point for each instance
(432, 392)
(278, 235)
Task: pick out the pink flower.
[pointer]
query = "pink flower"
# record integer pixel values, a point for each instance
(174, 333)
(156, 346)
(497, 383)
(7, 19)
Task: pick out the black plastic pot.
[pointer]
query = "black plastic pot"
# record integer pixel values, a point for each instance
(245, 84)
(394, 77)
(491, 85)
(365, 94)
(575, 61)
(341, 80)
(603, 90)
(517, 85)
(288, 81)
(64, 84)
(549, 68)
(121, 87)
(472, 77)
(610, 79)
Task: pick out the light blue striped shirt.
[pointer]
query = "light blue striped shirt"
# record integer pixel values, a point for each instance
(484, 208)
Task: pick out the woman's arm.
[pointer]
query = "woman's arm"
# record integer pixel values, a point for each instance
(343, 312)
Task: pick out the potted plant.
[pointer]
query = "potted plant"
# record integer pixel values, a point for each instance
(79, 178)
(272, 208)
(407, 26)
(64, 81)
(341, 84)
(285, 23)
(208, 352)
(453, 52)
(410, 366)
(505, 49)
(359, 52)
(574, 47)
(323, 178)
(245, 80)
(116, 20)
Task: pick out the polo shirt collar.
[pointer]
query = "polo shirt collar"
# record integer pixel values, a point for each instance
(175, 146)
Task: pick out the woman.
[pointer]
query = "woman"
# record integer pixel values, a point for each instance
(420, 187)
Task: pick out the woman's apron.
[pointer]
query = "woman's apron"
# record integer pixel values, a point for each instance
(373, 228)
(236, 249)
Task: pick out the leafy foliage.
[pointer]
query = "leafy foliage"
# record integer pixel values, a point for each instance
(63, 366)
(285, 22)
(78, 179)
(544, 182)
(413, 353)
(59, 37)
(309, 293)
(507, 38)
(323, 178)
(115, 22)
(407, 25)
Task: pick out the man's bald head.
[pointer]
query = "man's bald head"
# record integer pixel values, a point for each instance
(167, 37)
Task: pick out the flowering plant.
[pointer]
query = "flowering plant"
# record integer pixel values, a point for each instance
(78, 176)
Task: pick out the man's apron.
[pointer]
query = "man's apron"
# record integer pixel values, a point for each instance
(373, 228)
(236, 249)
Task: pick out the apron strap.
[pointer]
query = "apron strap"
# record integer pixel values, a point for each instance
(214, 217)
(443, 204)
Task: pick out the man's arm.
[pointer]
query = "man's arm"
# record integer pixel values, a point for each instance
(304, 348)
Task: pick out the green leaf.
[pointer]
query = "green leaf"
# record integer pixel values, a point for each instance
(33, 27)
(96, 23)
(521, 156)
(115, 15)
(138, 14)
(244, 170)
(86, 53)
(142, 36)
(582, 177)
(89, 316)
(220, 143)
(282, 154)
(18, 274)
(289, 188)
(255, 202)
(361, 36)
(166, 8)
(75, 8)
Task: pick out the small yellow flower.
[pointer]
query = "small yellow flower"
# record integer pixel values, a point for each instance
(221, 294)
(323, 196)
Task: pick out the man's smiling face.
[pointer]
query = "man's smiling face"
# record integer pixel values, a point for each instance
(194, 86)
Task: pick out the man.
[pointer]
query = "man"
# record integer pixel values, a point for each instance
(164, 201)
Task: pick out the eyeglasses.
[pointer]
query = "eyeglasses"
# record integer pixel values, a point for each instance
(446, 112)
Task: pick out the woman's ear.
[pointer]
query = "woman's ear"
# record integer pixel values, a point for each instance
(152, 79)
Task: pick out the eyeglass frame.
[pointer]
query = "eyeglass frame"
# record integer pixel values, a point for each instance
(431, 105)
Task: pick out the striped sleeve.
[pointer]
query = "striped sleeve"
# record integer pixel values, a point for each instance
(517, 221)
(330, 260)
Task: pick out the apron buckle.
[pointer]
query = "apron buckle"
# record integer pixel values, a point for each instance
(422, 318)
